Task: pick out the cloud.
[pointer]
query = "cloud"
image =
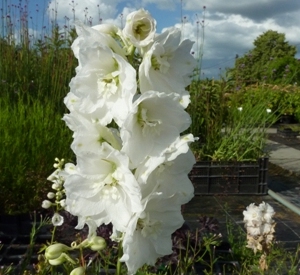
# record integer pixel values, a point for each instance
(256, 10)
(89, 10)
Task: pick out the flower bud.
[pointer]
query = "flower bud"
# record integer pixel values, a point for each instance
(61, 259)
(78, 271)
(55, 250)
(97, 243)
(46, 204)
(57, 219)
(63, 203)
(50, 195)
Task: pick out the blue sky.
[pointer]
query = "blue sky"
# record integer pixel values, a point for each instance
(230, 26)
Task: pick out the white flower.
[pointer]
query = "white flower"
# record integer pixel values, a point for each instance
(168, 65)
(253, 215)
(110, 29)
(89, 136)
(46, 204)
(104, 188)
(62, 203)
(170, 180)
(267, 212)
(148, 236)
(254, 230)
(178, 147)
(269, 110)
(139, 28)
(240, 109)
(105, 85)
(57, 220)
(88, 36)
(155, 122)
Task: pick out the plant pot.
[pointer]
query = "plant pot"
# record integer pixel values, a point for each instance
(15, 238)
(232, 177)
(287, 119)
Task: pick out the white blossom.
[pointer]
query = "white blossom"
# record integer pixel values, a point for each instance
(155, 122)
(168, 65)
(46, 204)
(139, 28)
(57, 219)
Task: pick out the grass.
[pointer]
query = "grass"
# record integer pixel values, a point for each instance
(32, 135)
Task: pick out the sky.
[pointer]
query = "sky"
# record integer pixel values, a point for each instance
(224, 28)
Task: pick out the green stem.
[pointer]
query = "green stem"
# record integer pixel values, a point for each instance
(53, 234)
(120, 252)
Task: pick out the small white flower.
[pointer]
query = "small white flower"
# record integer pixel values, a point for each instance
(50, 195)
(240, 109)
(57, 219)
(269, 110)
(63, 203)
(140, 28)
(46, 204)
(56, 186)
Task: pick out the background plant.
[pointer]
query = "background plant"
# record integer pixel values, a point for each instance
(225, 132)
(272, 60)
(34, 76)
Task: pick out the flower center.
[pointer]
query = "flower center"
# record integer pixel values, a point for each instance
(110, 188)
(141, 29)
(108, 84)
(148, 126)
(149, 228)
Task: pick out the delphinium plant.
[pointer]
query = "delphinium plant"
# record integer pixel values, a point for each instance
(127, 112)
(260, 228)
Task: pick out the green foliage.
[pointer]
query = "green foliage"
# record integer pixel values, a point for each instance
(208, 111)
(271, 60)
(32, 135)
(279, 260)
(224, 132)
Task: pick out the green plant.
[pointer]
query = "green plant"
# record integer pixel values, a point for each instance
(32, 134)
(279, 260)
(225, 132)
(208, 112)
(244, 134)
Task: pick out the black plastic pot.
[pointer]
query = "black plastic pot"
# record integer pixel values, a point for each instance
(232, 177)
(15, 237)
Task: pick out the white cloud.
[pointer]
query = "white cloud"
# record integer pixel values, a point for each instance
(94, 10)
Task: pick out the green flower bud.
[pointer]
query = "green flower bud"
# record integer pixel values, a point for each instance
(97, 243)
(54, 251)
(61, 259)
(78, 271)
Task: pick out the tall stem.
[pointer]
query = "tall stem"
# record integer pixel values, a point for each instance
(120, 252)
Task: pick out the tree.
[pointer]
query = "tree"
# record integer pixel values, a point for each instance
(271, 60)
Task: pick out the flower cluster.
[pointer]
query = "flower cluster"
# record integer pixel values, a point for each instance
(127, 112)
(59, 203)
(260, 226)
